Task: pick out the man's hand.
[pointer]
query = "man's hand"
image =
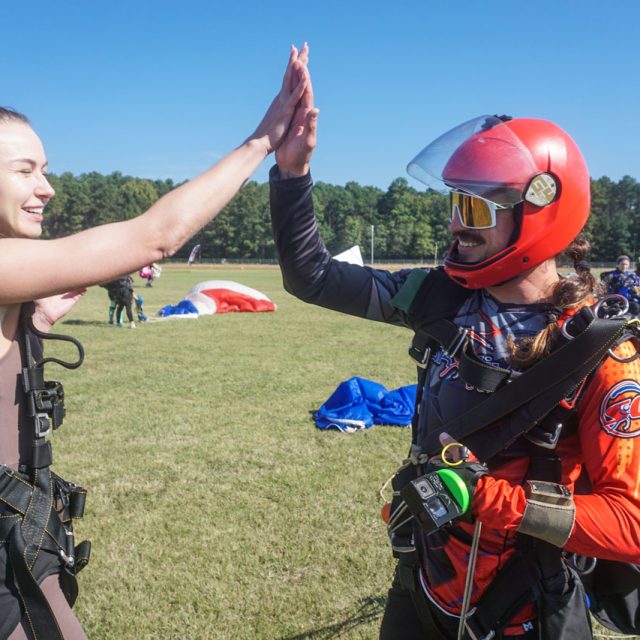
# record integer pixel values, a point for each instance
(49, 310)
(277, 120)
(294, 153)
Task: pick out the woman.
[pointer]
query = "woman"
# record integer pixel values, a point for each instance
(35, 561)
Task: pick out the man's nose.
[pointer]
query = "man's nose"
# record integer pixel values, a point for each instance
(455, 225)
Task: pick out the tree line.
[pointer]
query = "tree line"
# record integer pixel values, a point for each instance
(407, 223)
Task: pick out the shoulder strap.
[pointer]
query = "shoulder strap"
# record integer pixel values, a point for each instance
(532, 395)
(427, 296)
(431, 299)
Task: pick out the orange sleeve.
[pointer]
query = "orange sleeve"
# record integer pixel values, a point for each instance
(607, 523)
(608, 518)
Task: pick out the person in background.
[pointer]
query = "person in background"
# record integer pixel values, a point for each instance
(624, 282)
(150, 272)
(120, 292)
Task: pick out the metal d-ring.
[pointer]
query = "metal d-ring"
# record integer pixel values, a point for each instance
(605, 300)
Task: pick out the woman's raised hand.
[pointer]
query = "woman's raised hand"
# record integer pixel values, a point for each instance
(277, 120)
(294, 153)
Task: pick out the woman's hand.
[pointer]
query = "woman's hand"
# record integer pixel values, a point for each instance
(49, 310)
(276, 122)
(294, 153)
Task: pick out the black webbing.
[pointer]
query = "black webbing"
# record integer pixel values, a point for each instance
(42, 622)
(532, 395)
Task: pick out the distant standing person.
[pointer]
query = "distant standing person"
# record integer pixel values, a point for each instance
(150, 272)
(120, 293)
(123, 292)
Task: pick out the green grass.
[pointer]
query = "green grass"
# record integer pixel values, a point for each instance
(215, 508)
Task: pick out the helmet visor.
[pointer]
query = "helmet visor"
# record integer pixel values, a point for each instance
(482, 157)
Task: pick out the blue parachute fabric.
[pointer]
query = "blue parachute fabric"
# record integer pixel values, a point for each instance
(183, 308)
(359, 403)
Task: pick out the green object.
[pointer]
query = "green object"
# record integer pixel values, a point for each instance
(457, 487)
(405, 296)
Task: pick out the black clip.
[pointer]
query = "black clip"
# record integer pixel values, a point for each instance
(543, 438)
(420, 356)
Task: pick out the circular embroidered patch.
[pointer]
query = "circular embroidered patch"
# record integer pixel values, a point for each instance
(620, 410)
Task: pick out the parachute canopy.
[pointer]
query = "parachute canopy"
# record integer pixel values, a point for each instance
(359, 403)
(219, 296)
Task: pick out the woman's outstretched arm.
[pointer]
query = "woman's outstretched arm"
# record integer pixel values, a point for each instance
(32, 269)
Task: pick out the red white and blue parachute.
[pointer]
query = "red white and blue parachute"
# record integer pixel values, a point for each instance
(218, 296)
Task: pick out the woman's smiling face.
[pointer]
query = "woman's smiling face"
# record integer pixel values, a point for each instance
(24, 188)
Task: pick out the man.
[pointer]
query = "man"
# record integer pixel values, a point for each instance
(120, 293)
(624, 282)
(519, 197)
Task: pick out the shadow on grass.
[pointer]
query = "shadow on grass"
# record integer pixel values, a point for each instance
(370, 609)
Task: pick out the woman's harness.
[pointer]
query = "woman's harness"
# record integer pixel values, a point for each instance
(41, 504)
(527, 412)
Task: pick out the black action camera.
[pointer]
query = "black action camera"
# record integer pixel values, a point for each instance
(436, 498)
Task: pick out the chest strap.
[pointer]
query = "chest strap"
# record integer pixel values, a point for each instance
(456, 344)
(532, 395)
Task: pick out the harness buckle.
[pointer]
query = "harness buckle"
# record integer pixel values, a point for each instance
(584, 317)
(457, 343)
(612, 305)
(69, 560)
(473, 629)
(421, 357)
(550, 440)
(42, 425)
(582, 564)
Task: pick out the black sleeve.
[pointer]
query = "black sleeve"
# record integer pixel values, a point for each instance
(308, 270)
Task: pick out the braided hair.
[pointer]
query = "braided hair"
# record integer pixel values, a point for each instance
(568, 294)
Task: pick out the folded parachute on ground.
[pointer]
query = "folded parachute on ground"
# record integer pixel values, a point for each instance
(221, 296)
(359, 403)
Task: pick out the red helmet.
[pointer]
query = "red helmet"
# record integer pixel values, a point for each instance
(529, 165)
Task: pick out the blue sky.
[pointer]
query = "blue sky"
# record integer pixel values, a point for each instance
(163, 88)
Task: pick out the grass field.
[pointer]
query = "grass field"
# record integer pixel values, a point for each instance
(215, 508)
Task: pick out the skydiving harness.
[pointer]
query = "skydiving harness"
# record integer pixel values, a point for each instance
(525, 414)
(43, 504)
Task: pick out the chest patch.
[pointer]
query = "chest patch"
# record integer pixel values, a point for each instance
(620, 410)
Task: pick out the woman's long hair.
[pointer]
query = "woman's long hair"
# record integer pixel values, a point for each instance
(568, 294)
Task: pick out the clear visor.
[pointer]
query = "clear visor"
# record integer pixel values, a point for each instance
(482, 157)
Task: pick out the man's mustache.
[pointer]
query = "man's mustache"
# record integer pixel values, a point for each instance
(468, 237)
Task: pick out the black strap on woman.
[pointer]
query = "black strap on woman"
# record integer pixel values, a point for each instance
(45, 410)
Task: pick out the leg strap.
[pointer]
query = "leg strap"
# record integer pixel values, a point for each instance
(41, 524)
(42, 622)
(515, 586)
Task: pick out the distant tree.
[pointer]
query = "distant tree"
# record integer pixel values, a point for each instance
(408, 223)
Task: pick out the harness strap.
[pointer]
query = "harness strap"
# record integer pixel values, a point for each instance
(533, 394)
(456, 344)
(42, 622)
(35, 493)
